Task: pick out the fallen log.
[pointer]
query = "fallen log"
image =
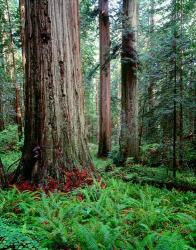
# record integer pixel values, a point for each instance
(180, 186)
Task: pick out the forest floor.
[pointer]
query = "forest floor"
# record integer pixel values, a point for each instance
(115, 213)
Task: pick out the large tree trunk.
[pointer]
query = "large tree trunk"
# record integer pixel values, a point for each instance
(55, 140)
(129, 85)
(105, 113)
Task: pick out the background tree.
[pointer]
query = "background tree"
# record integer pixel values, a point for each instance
(90, 61)
(105, 114)
(10, 81)
(168, 45)
(129, 84)
(17, 106)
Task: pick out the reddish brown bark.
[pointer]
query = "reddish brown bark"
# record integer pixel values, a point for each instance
(55, 140)
(22, 20)
(151, 85)
(129, 84)
(105, 113)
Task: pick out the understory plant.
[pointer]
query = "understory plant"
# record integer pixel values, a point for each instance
(107, 215)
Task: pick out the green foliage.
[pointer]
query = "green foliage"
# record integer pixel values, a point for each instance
(151, 154)
(100, 164)
(165, 241)
(142, 173)
(116, 157)
(9, 44)
(12, 238)
(10, 146)
(9, 158)
(120, 215)
(9, 139)
(159, 79)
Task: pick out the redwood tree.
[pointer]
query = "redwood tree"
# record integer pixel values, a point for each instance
(129, 84)
(22, 20)
(151, 84)
(55, 140)
(105, 113)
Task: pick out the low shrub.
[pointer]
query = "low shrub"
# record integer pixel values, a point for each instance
(12, 238)
(151, 154)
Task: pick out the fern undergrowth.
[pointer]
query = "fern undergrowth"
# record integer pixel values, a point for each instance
(118, 216)
(115, 215)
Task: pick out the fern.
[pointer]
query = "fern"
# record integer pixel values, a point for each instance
(86, 238)
(120, 216)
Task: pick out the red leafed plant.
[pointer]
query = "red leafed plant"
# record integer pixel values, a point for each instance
(52, 185)
(73, 179)
(80, 197)
(25, 186)
(101, 183)
(76, 178)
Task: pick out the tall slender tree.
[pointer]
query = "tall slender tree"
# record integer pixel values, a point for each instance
(174, 78)
(129, 84)
(2, 124)
(17, 106)
(55, 139)
(151, 84)
(2, 67)
(105, 112)
(22, 20)
(181, 79)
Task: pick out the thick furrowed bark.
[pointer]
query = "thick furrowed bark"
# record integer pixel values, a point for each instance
(55, 140)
